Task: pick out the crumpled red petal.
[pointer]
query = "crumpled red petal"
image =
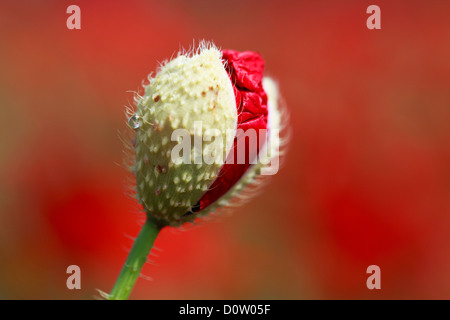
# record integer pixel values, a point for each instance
(246, 73)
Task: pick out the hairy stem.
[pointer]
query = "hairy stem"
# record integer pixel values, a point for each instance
(136, 259)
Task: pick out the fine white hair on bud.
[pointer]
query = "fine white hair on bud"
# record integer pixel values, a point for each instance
(195, 105)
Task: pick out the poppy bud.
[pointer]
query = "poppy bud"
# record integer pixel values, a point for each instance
(189, 126)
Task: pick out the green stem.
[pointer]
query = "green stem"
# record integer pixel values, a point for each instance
(136, 259)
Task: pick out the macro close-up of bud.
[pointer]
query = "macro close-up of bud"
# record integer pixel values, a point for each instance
(202, 132)
(206, 127)
(203, 151)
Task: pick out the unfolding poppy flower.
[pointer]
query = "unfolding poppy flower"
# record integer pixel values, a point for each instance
(214, 107)
(219, 105)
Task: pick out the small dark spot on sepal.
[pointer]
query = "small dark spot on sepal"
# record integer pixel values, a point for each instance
(193, 210)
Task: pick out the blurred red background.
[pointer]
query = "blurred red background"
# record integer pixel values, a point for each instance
(366, 179)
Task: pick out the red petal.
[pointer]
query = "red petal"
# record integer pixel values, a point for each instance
(246, 73)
